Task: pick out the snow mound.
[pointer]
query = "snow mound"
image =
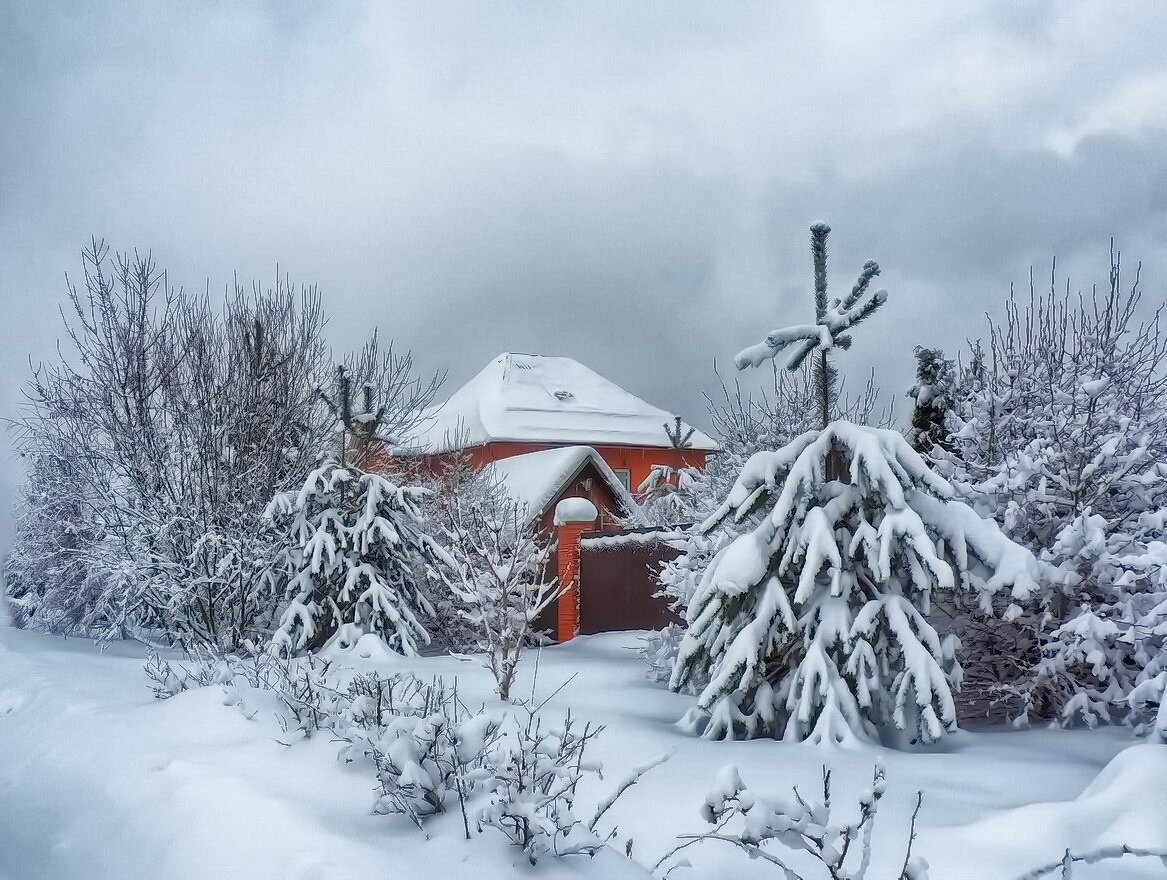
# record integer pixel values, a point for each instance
(575, 510)
(1126, 804)
(350, 646)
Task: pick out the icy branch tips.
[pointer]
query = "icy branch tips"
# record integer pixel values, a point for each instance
(833, 320)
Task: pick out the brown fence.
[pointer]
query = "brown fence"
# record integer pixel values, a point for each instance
(617, 580)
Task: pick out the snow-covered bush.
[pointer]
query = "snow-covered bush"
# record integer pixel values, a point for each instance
(673, 500)
(453, 484)
(1109, 660)
(155, 442)
(355, 544)
(1059, 433)
(801, 825)
(502, 580)
(167, 680)
(428, 749)
(1065, 865)
(678, 579)
(172, 421)
(509, 770)
(308, 701)
(530, 796)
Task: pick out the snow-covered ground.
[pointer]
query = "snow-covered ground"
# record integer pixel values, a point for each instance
(99, 780)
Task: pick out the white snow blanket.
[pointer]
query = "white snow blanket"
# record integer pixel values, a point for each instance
(538, 398)
(98, 780)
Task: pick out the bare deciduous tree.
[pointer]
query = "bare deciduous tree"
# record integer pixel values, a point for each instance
(502, 580)
(167, 423)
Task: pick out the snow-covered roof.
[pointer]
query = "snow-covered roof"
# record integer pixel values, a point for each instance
(536, 398)
(536, 478)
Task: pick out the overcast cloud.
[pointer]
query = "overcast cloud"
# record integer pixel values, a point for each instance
(626, 183)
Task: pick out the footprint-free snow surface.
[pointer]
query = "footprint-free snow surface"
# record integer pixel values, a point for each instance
(99, 780)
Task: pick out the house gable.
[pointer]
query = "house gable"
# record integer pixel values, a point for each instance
(538, 481)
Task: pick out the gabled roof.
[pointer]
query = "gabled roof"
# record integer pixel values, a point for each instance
(535, 479)
(540, 399)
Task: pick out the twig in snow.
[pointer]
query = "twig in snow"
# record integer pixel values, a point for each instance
(630, 780)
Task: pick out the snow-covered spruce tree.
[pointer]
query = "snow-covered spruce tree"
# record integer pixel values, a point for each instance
(812, 625)
(1060, 433)
(744, 422)
(932, 394)
(356, 547)
(501, 579)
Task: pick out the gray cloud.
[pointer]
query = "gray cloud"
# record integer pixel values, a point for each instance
(630, 184)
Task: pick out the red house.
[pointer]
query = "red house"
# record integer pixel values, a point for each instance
(523, 403)
(549, 428)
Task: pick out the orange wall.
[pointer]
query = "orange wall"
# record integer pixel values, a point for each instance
(637, 460)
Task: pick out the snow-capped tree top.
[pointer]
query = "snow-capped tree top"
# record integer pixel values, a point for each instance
(885, 474)
(832, 318)
(832, 321)
(826, 334)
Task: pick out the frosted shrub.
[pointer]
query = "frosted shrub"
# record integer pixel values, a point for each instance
(431, 754)
(500, 581)
(1064, 867)
(679, 579)
(530, 795)
(423, 742)
(1059, 432)
(804, 827)
(167, 680)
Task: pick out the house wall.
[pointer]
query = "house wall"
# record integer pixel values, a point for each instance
(637, 460)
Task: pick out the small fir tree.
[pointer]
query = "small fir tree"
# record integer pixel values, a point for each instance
(812, 624)
(356, 542)
(357, 550)
(932, 394)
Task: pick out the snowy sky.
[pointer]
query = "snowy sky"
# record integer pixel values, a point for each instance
(627, 184)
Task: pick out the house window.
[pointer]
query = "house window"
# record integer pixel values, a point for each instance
(624, 476)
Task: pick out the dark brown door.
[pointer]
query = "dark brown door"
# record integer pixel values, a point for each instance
(617, 586)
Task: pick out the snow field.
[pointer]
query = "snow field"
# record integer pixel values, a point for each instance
(100, 780)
